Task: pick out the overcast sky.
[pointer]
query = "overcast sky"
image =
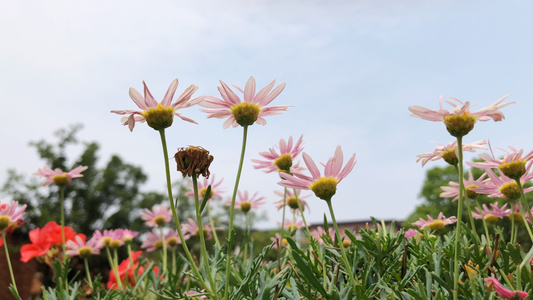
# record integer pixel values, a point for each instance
(352, 68)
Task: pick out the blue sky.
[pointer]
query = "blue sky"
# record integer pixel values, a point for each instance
(351, 68)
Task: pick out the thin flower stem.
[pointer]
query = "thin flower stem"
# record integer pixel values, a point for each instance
(203, 249)
(9, 263)
(513, 230)
(164, 242)
(459, 218)
(89, 280)
(283, 214)
(114, 267)
(175, 216)
(302, 213)
(484, 221)
(345, 260)
(232, 211)
(63, 243)
(462, 191)
(526, 223)
(212, 222)
(524, 202)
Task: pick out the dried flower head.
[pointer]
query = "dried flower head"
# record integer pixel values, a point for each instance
(193, 160)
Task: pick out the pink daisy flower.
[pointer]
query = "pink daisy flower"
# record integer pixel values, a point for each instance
(172, 237)
(325, 186)
(513, 165)
(470, 185)
(290, 225)
(110, 238)
(503, 186)
(290, 201)
(503, 292)
(216, 189)
(59, 177)
(320, 233)
(459, 120)
(192, 229)
(410, 233)
(282, 161)
(435, 224)
(157, 216)
(491, 215)
(449, 152)
(277, 240)
(436, 115)
(252, 110)
(153, 241)
(11, 214)
(127, 235)
(158, 115)
(78, 247)
(244, 202)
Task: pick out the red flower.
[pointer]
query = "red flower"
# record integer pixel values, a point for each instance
(40, 245)
(44, 238)
(125, 271)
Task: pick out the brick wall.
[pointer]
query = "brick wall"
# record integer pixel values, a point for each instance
(24, 272)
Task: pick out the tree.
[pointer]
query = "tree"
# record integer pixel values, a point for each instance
(103, 198)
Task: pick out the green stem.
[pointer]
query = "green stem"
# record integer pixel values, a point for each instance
(345, 260)
(513, 229)
(175, 215)
(524, 202)
(283, 214)
(212, 222)
(114, 267)
(459, 219)
(63, 243)
(246, 237)
(89, 280)
(302, 213)
(201, 232)
(484, 221)
(526, 223)
(232, 211)
(9, 263)
(164, 242)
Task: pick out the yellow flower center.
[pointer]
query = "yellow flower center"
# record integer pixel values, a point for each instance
(160, 117)
(245, 113)
(127, 239)
(158, 244)
(471, 194)
(292, 202)
(4, 222)
(346, 243)
(292, 227)
(491, 218)
(517, 217)
(114, 244)
(437, 225)
(246, 206)
(60, 180)
(159, 220)
(106, 240)
(514, 169)
(205, 231)
(284, 162)
(324, 188)
(203, 191)
(450, 157)
(85, 252)
(460, 125)
(510, 191)
(172, 241)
